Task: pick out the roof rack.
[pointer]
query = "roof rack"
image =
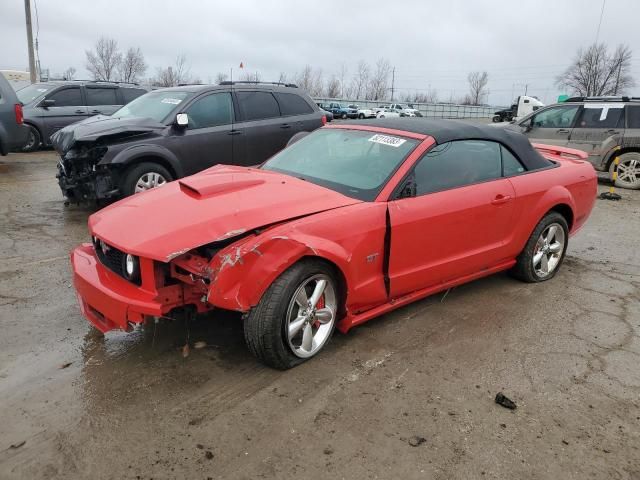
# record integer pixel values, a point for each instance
(235, 82)
(603, 99)
(92, 81)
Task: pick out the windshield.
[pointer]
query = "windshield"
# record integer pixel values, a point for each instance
(355, 163)
(30, 93)
(155, 105)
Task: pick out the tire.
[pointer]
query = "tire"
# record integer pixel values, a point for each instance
(132, 177)
(34, 140)
(381, 116)
(497, 119)
(267, 325)
(525, 268)
(628, 171)
(361, 116)
(344, 116)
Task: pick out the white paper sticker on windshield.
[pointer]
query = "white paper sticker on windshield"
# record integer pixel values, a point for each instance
(387, 140)
(172, 101)
(41, 89)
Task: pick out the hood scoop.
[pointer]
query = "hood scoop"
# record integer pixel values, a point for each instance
(205, 186)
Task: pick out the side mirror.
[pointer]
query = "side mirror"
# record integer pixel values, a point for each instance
(182, 120)
(48, 103)
(408, 190)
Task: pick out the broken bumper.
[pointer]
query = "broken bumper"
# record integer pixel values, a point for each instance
(85, 186)
(107, 300)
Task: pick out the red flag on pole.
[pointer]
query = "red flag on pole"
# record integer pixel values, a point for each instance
(241, 65)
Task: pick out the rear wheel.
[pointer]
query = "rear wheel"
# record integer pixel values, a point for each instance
(361, 116)
(344, 116)
(296, 316)
(628, 171)
(144, 176)
(544, 252)
(33, 141)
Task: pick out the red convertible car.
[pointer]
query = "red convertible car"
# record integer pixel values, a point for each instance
(343, 225)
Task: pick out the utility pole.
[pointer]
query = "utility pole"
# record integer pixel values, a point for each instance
(32, 58)
(393, 81)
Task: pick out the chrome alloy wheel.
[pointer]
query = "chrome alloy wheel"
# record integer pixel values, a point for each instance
(548, 250)
(311, 315)
(629, 172)
(148, 181)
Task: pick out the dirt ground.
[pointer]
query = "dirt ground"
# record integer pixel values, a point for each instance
(74, 405)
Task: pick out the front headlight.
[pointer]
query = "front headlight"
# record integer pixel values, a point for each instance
(131, 267)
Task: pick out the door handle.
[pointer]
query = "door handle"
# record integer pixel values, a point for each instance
(96, 111)
(500, 199)
(613, 132)
(235, 132)
(563, 130)
(285, 125)
(80, 111)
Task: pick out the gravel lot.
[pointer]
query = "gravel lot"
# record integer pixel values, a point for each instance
(74, 405)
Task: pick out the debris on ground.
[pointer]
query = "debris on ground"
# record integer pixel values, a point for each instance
(18, 445)
(185, 350)
(609, 196)
(328, 451)
(416, 440)
(65, 365)
(505, 401)
(199, 345)
(208, 454)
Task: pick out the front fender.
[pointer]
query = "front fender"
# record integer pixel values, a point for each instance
(240, 274)
(134, 152)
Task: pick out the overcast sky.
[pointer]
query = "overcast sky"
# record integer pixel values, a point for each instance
(432, 44)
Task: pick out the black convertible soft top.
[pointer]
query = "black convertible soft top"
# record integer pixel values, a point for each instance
(444, 131)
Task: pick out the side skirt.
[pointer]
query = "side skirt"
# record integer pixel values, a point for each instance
(351, 321)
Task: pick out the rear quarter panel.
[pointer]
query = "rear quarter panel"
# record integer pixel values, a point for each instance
(572, 183)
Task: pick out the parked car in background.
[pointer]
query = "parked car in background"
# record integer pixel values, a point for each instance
(327, 114)
(50, 106)
(386, 113)
(300, 245)
(404, 110)
(603, 127)
(522, 106)
(340, 111)
(13, 132)
(364, 112)
(169, 133)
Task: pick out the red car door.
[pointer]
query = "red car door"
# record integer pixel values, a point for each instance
(456, 220)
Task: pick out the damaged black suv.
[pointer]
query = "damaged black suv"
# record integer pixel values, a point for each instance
(173, 132)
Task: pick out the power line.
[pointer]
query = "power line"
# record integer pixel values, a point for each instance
(600, 22)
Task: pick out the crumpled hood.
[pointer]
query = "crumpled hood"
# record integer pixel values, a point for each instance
(99, 126)
(218, 203)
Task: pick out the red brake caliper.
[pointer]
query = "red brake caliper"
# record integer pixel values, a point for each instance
(319, 305)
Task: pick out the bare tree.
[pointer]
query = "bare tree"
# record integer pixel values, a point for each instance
(221, 77)
(103, 61)
(430, 96)
(477, 87)
(596, 72)
(318, 84)
(333, 87)
(360, 80)
(178, 74)
(132, 66)
(305, 79)
(251, 77)
(69, 73)
(282, 78)
(379, 82)
(343, 75)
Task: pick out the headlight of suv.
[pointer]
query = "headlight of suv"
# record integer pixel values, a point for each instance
(131, 267)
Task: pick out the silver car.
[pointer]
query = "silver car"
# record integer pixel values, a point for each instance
(50, 106)
(604, 127)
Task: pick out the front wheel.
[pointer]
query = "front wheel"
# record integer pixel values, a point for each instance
(144, 176)
(544, 252)
(628, 171)
(296, 316)
(361, 116)
(33, 140)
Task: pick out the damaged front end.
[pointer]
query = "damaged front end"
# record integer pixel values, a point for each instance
(82, 178)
